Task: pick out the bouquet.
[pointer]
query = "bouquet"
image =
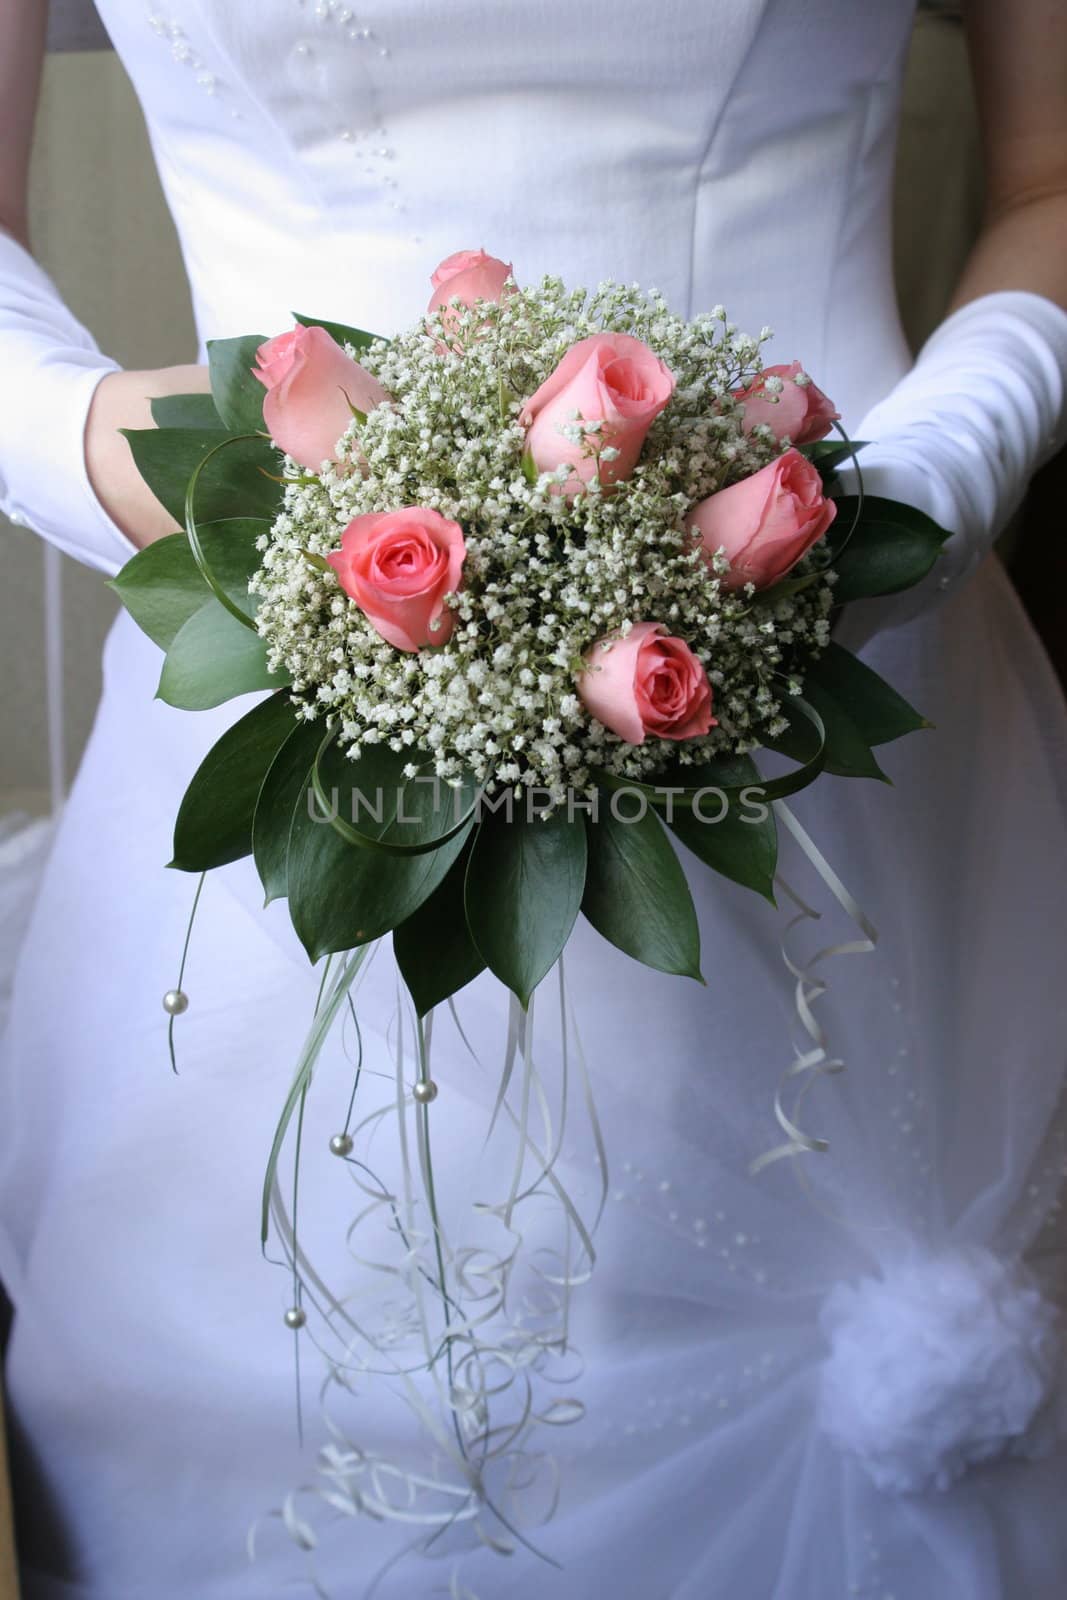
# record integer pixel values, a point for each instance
(528, 589)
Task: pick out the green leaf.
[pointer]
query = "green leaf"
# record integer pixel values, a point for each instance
(729, 772)
(853, 692)
(213, 658)
(735, 836)
(801, 740)
(285, 786)
(636, 894)
(785, 587)
(859, 710)
(341, 896)
(374, 805)
(162, 587)
(828, 454)
(523, 892)
(848, 753)
(340, 331)
(214, 823)
(744, 851)
(434, 950)
(237, 392)
(186, 411)
(236, 483)
(892, 547)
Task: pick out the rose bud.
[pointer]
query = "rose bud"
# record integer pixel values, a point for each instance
(469, 275)
(644, 683)
(312, 386)
(765, 523)
(609, 378)
(398, 566)
(798, 411)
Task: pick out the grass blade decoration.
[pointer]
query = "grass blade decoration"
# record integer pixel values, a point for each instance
(193, 533)
(323, 1021)
(176, 1001)
(382, 770)
(667, 794)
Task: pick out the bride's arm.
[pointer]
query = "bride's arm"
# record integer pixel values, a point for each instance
(64, 467)
(1019, 60)
(123, 400)
(985, 404)
(22, 35)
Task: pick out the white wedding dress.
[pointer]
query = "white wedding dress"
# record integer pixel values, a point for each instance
(834, 1378)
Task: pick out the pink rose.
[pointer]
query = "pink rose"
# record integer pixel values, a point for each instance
(471, 275)
(647, 682)
(799, 411)
(309, 382)
(398, 566)
(765, 523)
(609, 378)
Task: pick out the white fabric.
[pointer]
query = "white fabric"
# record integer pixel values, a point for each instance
(54, 369)
(24, 843)
(946, 1361)
(737, 151)
(962, 433)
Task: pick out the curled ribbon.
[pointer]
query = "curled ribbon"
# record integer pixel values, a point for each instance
(471, 1345)
(817, 1062)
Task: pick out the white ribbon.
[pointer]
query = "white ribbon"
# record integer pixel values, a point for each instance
(817, 1062)
(487, 1363)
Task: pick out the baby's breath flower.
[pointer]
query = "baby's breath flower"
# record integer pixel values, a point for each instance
(545, 575)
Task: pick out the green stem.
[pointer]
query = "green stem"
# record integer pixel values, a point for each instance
(193, 533)
(298, 1287)
(423, 1114)
(181, 971)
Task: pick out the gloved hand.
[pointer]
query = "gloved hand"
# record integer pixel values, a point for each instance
(961, 436)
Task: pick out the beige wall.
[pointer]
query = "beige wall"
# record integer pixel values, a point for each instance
(939, 175)
(100, 226)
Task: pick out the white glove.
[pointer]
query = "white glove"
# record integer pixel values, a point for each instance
(51, 368)
(961, 436)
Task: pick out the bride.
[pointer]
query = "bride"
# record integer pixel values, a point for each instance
(842, 1376)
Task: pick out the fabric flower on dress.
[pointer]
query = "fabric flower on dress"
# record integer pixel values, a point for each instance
(944, 1362)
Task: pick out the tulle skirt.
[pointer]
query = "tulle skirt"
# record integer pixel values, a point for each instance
(833, 1377)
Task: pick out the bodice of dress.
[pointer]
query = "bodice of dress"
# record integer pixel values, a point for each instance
(726, 151)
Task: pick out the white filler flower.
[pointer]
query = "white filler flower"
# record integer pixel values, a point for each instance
(545, 575)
